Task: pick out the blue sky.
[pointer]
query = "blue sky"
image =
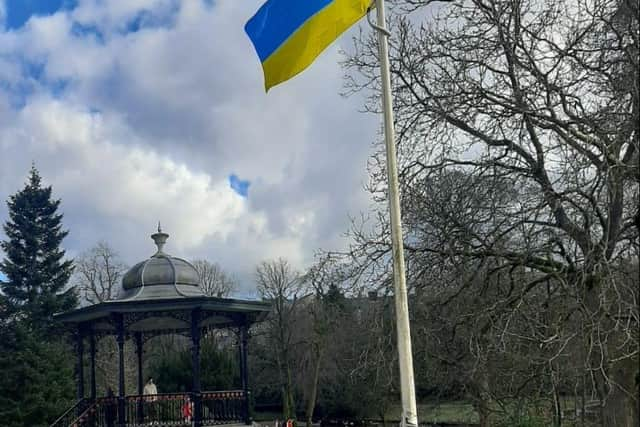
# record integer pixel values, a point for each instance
(241, 187)
(18, 12)
(136, 111)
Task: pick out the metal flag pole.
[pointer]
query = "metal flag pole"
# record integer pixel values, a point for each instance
(405, 358)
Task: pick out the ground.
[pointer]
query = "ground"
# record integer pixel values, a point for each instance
(456, 412)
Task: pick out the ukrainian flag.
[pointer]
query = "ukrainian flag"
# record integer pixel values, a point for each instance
(289, 34)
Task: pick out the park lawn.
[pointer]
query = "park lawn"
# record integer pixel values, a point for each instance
(266, 416)
(440, 412)
(435, 412)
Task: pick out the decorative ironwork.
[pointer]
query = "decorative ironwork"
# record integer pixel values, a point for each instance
(135, 317)
(207, 314)
(184, 315)
(87, 417)
(131, 318)
(101, 413)
(148, 334)
(70, 415)
(111, 320)
(222, 407)
(186, 332)
(99, 334)
(164, 409)
(223, 395)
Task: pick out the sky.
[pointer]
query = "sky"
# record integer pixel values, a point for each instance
(139, 111)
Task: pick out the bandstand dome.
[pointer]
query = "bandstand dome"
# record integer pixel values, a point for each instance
(158, 295)
(161, 276)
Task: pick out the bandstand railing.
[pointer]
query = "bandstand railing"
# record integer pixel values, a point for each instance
(163, 410)
(71, 414)
(223, 407)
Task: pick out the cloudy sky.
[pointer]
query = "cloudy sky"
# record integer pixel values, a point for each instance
(139, 111)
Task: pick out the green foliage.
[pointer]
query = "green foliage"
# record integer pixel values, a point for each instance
(37, 381)
(36, 272)
(522, 421)
(344, 400)
(218, 367)
(525, 412)
(172, 371)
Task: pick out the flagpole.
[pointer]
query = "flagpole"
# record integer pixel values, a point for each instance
(405, 358)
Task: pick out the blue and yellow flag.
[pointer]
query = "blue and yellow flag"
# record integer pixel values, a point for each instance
(289, 34)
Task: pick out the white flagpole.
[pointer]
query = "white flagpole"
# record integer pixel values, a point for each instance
(405, 358)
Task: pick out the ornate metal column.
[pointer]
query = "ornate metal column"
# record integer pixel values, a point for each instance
(92, 351)
(195, 354)
(121, 390)
(80, 362)
(139, 350)
(244, 374)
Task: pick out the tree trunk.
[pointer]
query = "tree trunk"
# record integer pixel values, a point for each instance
(583, 400)
(286, 410)
(483, 413)
(288, 407)
(620, 407)
(289, 395)
(483, 399)
(311, 403)
(616, 386)
(557, 406)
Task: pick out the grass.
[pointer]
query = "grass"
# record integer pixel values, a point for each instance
(266, 416)
(462, 412)
(440, 412)
(435, 412)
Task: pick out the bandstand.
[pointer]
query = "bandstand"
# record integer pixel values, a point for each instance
(159, 296)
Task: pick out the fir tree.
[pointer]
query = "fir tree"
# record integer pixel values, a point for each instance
(34, 264)
(37, 382)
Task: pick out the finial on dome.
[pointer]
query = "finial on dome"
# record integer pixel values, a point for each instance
(160, 239)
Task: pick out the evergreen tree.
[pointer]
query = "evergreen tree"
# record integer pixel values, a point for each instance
(37, 384)
(36, 272)
(37, 373)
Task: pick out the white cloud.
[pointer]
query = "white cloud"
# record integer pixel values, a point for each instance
(119, 181)
(151, 124)
(115, 15)
(111, 181)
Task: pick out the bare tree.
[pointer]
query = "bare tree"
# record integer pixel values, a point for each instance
(98, 273)
(280, 284)
(322, 317)
(538, 100)
(214, 280)
(98, 276)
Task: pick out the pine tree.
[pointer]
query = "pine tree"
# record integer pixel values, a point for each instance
(34, 264)
(37, 382)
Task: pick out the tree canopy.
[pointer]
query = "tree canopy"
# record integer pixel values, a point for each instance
(518, 139)
(37, 273)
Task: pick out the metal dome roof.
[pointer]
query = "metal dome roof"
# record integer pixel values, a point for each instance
(161, 276)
